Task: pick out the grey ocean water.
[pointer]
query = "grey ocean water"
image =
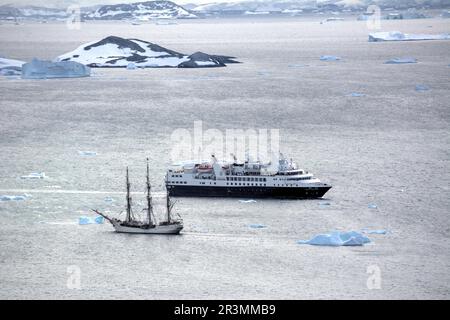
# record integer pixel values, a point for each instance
(389, 147)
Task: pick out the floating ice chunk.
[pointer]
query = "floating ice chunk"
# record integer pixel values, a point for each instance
(87, 153)
(34, 175)
(109, 199)
(336, 239)
(14, 197)
(247, 201)
(372, 206)
(329, 58)
(331, 19)
(399, 36)
(131, 66)
(10, 67)
(380, 231)
(42, 69)
(401, 60)
(324, 204)
(264, 73)
(298, 65)
(257, 226)
(422, 87)
(99, 220)
(83, 220)
(10, 71)
(356, 94)
(332, 239)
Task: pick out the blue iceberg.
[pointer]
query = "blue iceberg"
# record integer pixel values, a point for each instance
(131, 66)
(87, 153)
(337, 239)
(257, 226)
(379, 231)
(356, 94)
(401, 60)
(422, 88)
(83, 220)
(329, 58)
(14, 197)
(33, 176)
(43, 69)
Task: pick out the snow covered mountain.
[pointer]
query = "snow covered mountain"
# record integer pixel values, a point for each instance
(119, 52)
(141, 11)
(290, 6)
(32, 12)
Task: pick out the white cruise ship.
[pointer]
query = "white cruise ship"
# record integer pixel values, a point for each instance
(280, 178)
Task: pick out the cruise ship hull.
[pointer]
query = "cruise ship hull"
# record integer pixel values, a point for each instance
(248, 192)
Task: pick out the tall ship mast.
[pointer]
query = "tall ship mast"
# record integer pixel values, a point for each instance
(278, 178)
(149, 226)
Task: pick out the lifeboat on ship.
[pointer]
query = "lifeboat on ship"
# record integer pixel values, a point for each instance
(204, 168)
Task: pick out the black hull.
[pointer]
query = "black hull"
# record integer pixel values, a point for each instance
(248, 192)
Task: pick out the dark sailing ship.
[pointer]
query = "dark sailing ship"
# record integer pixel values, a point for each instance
(133, 225)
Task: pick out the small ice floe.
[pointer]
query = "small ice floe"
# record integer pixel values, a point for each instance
(87, 153)
(372, 206)
(83, 220)
(247, 201)
(378, 231)
(14, 197)
(257, 226)
(324, 204)
(33, 176)
(331, 19)
(10, 67)
(399, 36)
(264, 73)
(336, 239)
(401, 60)
(329, 58)
(356, 94)
(108, 199)
(298, 65)
(421, 87)
(131, 66)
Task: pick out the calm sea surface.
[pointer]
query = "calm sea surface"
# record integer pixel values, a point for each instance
(389, 148)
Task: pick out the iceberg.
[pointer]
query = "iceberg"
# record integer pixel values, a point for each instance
(380, 231)
(108, 199)
(329, 58)
(331, 19)
(10, 67)
(87, 153)
(83, 220)
(399, 36)
(33, 176)
(401, 60)
(356, 94)
(421, 88)
(257, 226)
(337, 239)
(131, 66)
(42, 69)
(372, 206)
(13, 198)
